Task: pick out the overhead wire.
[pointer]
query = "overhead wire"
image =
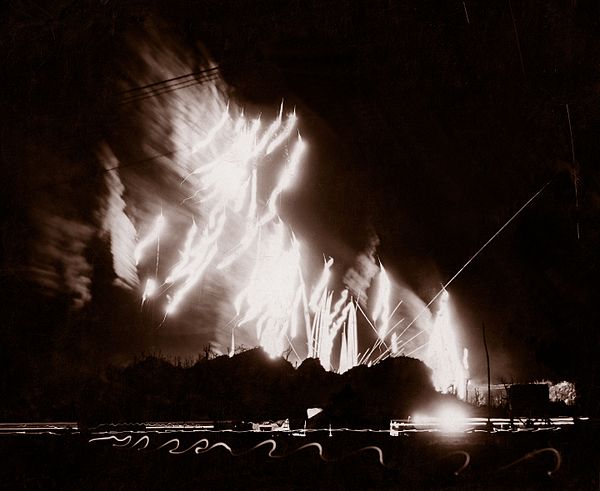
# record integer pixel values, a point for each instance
(426, 308)
(164, 87)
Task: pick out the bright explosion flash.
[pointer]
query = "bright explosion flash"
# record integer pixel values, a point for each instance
(449, 370)
(226, 168)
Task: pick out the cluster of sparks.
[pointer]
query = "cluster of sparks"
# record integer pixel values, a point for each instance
(275, 300)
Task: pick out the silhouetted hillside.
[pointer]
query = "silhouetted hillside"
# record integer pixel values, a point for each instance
(250, 386)
(394, 388)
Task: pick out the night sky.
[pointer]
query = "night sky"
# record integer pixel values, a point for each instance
(429, 123)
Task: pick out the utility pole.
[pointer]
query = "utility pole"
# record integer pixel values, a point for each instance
(489, 385)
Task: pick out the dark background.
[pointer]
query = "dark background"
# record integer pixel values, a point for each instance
(432, 122)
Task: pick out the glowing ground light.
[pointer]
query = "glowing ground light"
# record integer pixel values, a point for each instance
(448, 418)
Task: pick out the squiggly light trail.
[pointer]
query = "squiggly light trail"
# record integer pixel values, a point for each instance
(203, 446)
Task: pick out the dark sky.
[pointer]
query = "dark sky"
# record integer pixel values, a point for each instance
(432, 123)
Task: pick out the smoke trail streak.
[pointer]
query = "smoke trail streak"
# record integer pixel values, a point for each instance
(378, 342)
(394, 311)
(574, 170)
(153, 235)
(445, 286)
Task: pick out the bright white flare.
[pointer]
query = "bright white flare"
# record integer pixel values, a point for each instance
(443, 355)
(150, 289)
(381, 311)
(212, 133)
(272, 294)
(152, 236)
(274, 300)
(321, 286)
(395, 349)
(289, 174)
(349, 345)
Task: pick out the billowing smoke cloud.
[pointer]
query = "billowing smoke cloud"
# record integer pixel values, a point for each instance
(57, 192)
(358, 278)
(410, 320)
(58, 261)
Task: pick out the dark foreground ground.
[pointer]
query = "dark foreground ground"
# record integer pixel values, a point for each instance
(561, 459)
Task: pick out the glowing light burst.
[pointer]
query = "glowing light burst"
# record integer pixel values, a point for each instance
(223, 187)
(449, 374)
(273, 301)
(273, 293)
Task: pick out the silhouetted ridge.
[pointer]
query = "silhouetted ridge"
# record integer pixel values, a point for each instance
(250, 386)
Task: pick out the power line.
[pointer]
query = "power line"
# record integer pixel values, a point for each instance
(157, 88)
(160, 88)
(169, 80)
